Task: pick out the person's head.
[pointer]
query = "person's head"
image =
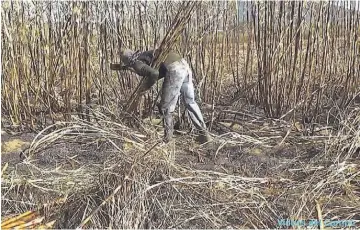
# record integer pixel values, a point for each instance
(125, 56)
(127, 52)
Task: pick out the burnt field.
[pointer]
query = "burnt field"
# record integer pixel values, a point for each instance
(278, 84)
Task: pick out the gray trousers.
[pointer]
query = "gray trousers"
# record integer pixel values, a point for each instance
(178, 80)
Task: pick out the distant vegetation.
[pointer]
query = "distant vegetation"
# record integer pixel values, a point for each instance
(287, 58)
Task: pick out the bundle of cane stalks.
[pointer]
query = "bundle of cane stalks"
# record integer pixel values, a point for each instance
(27, 220)
(178, 25)
(31, 219)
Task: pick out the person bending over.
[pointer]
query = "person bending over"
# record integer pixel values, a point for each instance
(177, 76)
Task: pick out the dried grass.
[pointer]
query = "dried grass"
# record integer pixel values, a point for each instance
(143, 187)
(96, 167)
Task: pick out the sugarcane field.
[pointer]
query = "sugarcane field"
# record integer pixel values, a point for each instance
(180, 114)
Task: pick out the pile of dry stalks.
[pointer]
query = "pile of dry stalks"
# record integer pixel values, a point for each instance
(108, 175)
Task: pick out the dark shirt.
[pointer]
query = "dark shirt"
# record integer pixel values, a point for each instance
(147, 57)
(142, 66)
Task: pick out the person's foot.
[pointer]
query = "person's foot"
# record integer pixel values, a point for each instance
(204, 138)
(168, 135)
(167, 139)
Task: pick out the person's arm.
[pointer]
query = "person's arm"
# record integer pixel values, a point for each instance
(144, 70)
(141, 66)
(146, 57)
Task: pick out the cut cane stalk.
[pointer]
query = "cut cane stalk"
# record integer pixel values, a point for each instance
(47, 225)
(20, 219)
(31, 223)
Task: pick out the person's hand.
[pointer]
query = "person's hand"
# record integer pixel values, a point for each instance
(127, 60)
(162, 70)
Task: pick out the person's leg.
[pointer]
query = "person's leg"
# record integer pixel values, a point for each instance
(173, 81)
(188, 92)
